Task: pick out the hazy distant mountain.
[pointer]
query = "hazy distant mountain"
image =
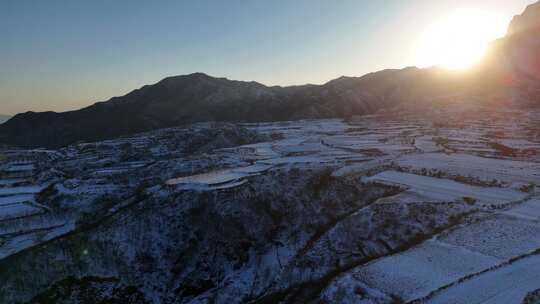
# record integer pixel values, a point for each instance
(4, 118)
(515, 58)
(199, 97)
(527, 21)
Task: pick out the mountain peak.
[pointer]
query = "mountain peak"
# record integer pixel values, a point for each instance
(192, 76)
(529, 20)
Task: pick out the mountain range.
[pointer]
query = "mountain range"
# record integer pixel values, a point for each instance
(512, 67)
(434, 198)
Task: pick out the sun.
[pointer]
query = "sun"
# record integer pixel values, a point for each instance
(460, 40)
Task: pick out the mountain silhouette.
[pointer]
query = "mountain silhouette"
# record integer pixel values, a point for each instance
(512, 65)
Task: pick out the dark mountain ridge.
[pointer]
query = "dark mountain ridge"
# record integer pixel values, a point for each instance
(199, 97)
(512, 63)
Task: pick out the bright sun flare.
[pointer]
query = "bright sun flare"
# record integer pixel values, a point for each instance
(460, 40)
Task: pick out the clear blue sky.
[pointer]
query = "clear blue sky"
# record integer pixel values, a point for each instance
(60, 55)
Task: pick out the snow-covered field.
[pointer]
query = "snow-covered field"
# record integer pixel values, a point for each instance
(17, 210)
(530, 210)
(504, 285)
(220, 179)
(417, 272)
(395, 246)
(501, 236)
(485, 169)
(431, 189)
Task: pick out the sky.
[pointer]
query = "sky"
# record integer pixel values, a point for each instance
(64, 55)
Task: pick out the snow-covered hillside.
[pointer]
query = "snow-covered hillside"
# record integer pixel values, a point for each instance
(388, 208)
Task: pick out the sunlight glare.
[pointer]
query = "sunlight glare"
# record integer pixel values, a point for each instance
(459, 41)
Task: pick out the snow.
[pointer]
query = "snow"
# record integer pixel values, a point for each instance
(417, 272)
(254, 169)
(363, 143)
(487, 169)
(372, 145)
(443, 190)
(17, 210)
(297, 160)
(301, 126)
(506, 285)
(361, 167)
(13, 199)
(529, 210)
(17, 168)
(228, 185)
(211, 178)
(426, 144)
(109, 171)
(300, 147)
(220, 179)
(347, 287)
(520, 144)
(502, 237)
(10, 181)
(20, 190)
(25, 240)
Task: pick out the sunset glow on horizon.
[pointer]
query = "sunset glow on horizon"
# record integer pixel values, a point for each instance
(56, 57)
(459, 41)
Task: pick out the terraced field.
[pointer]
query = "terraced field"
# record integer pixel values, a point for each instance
(387, 208)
